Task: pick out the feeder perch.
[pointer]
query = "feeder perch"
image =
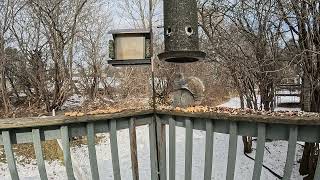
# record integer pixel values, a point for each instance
(130, 47)
(181, 32)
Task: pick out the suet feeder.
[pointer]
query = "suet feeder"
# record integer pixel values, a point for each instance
(181, 32)
(130, 47)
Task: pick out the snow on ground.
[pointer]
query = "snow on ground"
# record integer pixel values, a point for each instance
(55, 170)
(275, 157)
(73, 102)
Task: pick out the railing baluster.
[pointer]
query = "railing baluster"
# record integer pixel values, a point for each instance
(209, 150)
(189, 144)
(293, 134)
(232, 154)
(39, 153)
(114, 150)
(66, 152)
(153, 150)
(258, 163)
(172, 149)
(92, 151)
(161, 133)
(317, 173)
(133, 148)
(9, 155)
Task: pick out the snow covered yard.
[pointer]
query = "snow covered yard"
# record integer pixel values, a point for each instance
(275, 157)
(55, 170)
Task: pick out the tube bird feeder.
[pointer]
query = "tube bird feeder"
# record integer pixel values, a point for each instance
(181, 32)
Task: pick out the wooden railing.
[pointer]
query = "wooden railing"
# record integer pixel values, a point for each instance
(35, 130)
(294, 90)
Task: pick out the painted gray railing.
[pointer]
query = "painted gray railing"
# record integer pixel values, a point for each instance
(35, 130)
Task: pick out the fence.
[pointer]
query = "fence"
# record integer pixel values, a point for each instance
(35, 130)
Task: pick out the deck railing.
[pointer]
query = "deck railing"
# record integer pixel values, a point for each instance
(35, 130)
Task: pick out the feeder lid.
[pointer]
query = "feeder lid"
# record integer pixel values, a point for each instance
(129, 31)
(182, 56)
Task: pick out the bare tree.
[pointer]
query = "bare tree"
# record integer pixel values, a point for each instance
(242, 37)
(92, 38)
(59, 20)
(7, 11)
(136, 12)
(302, 19)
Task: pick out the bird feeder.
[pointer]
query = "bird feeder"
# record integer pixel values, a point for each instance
(181, 32)
(130, 47)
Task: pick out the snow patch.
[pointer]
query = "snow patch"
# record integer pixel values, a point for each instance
(73, 102)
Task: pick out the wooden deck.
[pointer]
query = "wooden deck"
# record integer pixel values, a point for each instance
(27, 122)
(35, 130)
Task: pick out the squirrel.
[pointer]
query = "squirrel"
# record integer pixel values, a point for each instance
(186, 89)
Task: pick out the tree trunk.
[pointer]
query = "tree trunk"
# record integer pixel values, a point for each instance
(310, 152)
(3, 86)
(306, 93)
(304, 163)
(309, 160)
(241, 101)
(247, 142)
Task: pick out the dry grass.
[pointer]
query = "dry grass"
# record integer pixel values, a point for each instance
(216, 95)
(51, 151)
(83, 141)
(23, 110)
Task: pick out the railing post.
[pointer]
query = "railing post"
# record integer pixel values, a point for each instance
(292, 143)
(161, 133)
(92, 151)
(172, 149)
(66, 152)
(208, 150)
(9, 155)
(133, 149)
(317, 173)
(153, 150)
(232, 154)
(114, 150)
(189, 147)
(260, 151)
(39, 154)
